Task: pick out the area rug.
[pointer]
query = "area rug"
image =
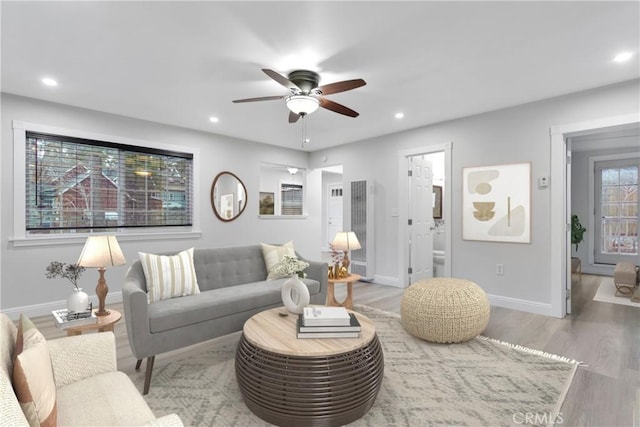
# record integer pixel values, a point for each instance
(607, 293)
(480, 382)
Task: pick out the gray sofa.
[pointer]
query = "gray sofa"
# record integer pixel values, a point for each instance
(233, 287)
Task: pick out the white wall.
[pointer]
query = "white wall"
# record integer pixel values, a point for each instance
(512, 135)
(23, 286)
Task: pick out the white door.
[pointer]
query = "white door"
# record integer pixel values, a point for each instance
(420, 219)
(334, 211)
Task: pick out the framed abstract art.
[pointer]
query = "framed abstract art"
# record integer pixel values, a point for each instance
(496, 203)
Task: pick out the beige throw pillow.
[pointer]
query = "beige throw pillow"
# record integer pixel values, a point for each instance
(169, 276)
(33, 376)
(273, 255)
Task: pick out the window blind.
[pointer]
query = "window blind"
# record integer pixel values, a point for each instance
(291, 199)
(78, 185)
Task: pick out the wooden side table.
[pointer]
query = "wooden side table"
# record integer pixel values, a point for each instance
(104, 323)
(331, 296)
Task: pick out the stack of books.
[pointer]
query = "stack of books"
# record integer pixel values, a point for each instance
(327, 322)
(66, 319)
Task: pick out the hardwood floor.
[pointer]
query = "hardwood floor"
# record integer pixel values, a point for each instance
(604, 336)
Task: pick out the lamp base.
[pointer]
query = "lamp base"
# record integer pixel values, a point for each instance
(345, 261)
(101, 291)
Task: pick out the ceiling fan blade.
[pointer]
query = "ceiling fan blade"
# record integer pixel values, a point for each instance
(340, 86)
(262, 98)
(293, 117)
(338, 108)
(280, 79)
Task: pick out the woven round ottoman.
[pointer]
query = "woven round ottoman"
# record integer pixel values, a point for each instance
(444, 310)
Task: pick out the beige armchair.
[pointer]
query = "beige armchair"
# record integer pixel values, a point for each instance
(89, 389)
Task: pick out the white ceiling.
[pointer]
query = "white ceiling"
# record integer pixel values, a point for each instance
(182, 62)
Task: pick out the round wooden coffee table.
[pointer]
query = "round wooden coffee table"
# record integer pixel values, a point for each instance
(301, 382)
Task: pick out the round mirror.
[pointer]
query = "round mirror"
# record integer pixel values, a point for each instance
(228, 196)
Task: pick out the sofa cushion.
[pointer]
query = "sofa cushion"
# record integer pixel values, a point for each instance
(108, 399)
(208, 305)
(33, 375)
(169, 276)
(273, 255)
(223, 267)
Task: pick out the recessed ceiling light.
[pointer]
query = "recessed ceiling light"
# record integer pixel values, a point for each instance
(399, 115)
(214, 119)
(49, 81)
(623, 56)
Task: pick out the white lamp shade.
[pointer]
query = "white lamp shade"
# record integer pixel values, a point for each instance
(302, 104)
(101, 252)
(346, 241)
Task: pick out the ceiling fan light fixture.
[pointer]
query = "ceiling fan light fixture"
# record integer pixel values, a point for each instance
(302, 104)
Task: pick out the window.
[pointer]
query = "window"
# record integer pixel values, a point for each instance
(80, 185)
(286, 185)
(616, 210)
(291, 199)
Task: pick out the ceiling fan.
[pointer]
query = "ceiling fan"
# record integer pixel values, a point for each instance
(306, 96)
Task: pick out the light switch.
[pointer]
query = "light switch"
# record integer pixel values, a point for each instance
(543, 182)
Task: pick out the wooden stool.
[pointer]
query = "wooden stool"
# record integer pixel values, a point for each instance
(625, 277)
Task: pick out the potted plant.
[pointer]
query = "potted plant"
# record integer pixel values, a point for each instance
(78, 300)
(577, 231)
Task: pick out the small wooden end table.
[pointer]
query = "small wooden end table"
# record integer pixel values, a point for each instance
(104, 323)
(331, 296)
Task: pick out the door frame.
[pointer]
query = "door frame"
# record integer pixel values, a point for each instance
(560, 246)
(403, 207)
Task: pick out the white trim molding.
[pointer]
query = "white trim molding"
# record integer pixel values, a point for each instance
(19, 236)
(44, 309)
(520, 305)
(387, 281)
(560, 227)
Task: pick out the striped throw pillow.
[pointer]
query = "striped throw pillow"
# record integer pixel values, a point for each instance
(169, 276)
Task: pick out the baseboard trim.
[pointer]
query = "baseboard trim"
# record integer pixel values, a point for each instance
(521, 305)
(44, 309)
(387, 281)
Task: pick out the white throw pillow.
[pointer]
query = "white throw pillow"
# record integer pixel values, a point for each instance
(273, 255)
(169, 276)
(33, 380)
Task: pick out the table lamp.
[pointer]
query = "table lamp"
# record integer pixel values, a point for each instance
(346, 241)
(101, 252)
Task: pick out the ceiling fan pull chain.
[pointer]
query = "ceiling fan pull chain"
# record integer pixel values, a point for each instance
(304, 130)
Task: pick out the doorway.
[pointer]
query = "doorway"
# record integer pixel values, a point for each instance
(411, 245)
(332, 206)
(560, 254)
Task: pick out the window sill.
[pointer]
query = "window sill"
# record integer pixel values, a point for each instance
(283, 216)
(73, 239)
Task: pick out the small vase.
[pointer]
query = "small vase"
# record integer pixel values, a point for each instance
(295, 295)
(77, 301)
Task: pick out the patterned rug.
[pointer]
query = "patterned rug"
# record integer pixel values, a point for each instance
(480, 382)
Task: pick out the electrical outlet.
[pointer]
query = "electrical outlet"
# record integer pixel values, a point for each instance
(500, 269)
